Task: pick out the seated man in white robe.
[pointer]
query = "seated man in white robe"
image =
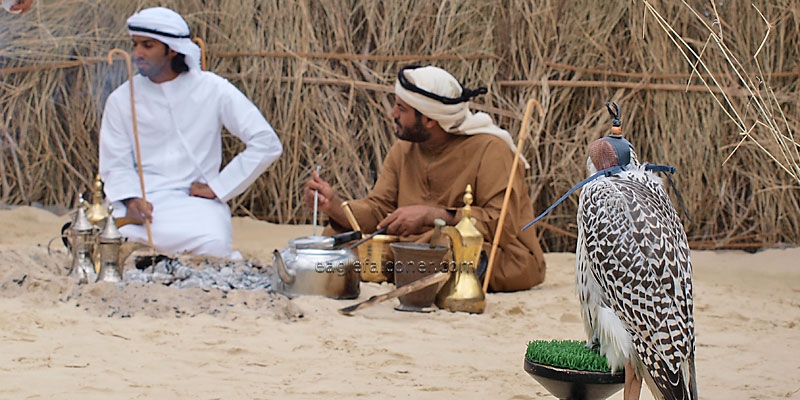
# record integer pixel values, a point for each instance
(180, 112)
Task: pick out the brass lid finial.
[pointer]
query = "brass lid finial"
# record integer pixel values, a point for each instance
(467, 202)
(97, 194)
(466, 226)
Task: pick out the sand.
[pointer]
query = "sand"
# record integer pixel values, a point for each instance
(101, 341)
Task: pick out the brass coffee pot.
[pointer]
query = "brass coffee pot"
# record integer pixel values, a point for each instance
(463, 291)
(83, 241)
(97, 214)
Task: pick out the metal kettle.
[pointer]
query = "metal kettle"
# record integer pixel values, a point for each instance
(316, 265)
(463, 291)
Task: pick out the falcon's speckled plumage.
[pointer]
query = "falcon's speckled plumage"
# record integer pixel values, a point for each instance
(634, 275)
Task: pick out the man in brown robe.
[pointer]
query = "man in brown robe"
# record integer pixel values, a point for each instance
(442, 148)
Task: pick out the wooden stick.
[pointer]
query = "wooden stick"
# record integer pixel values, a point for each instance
(429, 280)
(544, 226)
(410, 57)
(202, 45)
(646, 75)
(642, 85)
(357, 57)
(122, 221)
(135, 132)
(350, 217)
(503, 210)
(316, 204)
(367, 238)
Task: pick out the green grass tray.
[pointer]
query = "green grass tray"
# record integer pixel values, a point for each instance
(571, 371)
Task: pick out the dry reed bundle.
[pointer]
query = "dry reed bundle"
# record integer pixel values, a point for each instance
(322, 72)
(612, 43)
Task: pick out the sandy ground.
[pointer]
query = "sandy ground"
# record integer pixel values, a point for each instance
(101, 341)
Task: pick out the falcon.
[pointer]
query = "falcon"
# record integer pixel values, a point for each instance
(634, 274)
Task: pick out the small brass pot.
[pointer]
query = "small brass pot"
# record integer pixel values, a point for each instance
(377, 258)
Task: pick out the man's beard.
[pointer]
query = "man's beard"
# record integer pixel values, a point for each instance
(415, 134)
(145, 69)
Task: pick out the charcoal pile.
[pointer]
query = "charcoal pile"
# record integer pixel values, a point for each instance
(187, 272)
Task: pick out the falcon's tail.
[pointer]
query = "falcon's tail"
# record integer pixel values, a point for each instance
(689, 382)
(685, 385)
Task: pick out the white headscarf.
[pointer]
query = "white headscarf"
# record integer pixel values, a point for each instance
(167, 27)
(453, 118)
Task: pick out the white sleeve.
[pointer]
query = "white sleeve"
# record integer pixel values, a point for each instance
(116, 154)
(243, 119)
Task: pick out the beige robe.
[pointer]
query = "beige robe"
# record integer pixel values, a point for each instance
(410, 177)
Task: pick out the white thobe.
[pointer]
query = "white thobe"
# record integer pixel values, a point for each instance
(179, 128)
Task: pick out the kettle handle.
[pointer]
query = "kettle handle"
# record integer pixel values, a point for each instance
(345, 237)
(65, 235)
(283, 273)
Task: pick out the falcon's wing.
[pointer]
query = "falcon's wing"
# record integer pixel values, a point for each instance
(639, 256)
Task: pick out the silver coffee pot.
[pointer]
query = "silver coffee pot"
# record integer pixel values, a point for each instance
(82, 235)
(108, 244)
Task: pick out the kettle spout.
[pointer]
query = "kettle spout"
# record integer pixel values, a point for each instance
(286, 276)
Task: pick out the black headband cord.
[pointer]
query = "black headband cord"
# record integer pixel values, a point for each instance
(466, 94)
(157, 32)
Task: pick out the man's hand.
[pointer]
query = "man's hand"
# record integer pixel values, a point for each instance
(412, 220)
(201, 190)
(22, 6)
(138, 209)
(327, 200)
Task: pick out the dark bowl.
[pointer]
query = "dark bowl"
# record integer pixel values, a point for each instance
(570, 384)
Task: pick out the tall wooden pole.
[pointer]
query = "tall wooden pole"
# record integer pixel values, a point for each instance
(135, 132)
(504, 209)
